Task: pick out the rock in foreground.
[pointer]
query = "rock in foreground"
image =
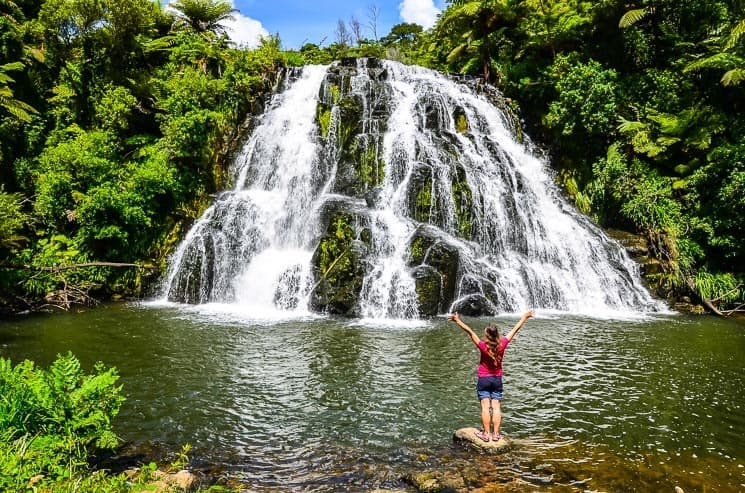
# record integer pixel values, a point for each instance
(467, 436)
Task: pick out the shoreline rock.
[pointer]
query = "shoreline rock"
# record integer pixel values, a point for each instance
(467, 437)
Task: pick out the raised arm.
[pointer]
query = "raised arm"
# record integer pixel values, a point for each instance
(519, 324)
(455, 318)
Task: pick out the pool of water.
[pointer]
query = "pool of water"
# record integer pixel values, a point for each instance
(325, 404)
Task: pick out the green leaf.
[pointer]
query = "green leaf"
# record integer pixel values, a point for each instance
(632, 17)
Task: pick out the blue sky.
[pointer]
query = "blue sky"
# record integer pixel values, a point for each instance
(315, 21)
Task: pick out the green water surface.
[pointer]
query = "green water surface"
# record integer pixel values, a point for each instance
(323, 404)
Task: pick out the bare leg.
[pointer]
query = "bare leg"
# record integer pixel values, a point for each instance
(486, 415)
(497, 415)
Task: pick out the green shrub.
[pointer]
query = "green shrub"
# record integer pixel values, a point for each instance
(51, 420)
(586, 97)
(724, 289)
(12, 219)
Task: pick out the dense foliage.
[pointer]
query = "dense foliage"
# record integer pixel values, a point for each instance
(115, 117)
(111, 135)
(52, 420)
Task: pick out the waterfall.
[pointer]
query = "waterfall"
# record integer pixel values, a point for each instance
(379, 190)
(253, 245)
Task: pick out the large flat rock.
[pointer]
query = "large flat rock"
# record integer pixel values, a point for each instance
(467, 436)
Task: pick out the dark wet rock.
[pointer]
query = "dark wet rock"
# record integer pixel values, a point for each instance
(428, 288)
(650, 266)
(467, 436)
(427, 248)
(474, 305)
(636, 245)
(372, 197)
(339, 260)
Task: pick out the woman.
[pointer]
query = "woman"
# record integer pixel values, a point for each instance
(489, 372)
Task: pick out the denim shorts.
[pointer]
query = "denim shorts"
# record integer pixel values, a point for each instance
(489, 388)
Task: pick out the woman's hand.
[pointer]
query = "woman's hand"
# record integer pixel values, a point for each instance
(454, 317)
(528, 314)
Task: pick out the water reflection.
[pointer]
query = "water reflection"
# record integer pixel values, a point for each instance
(330, 405)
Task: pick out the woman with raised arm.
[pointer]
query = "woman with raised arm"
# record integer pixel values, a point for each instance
(489, 372)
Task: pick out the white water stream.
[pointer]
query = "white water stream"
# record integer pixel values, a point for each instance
(527, 247)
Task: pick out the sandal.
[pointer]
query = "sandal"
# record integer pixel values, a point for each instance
(496, 437)
(482, 435)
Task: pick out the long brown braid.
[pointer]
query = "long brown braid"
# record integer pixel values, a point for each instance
(493, 338)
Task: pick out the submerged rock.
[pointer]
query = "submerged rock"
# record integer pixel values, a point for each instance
(467, 436)
(437, 481)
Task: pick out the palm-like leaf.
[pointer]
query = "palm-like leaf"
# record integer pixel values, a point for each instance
(726, 58)
(632, 17)
(733, 77)
(203, 15)
(717, 61)
(734, 36)
(20, 110)
(474, 21)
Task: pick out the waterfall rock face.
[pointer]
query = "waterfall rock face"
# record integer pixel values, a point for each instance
(373, 189)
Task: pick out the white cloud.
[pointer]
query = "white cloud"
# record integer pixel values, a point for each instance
(244, 31)
(422, 12)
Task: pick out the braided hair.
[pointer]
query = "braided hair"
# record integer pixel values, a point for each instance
(492, 337)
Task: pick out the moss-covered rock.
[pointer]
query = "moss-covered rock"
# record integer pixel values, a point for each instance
(323, 119)
(439, 278)
(339, 261)
(461, 122)
(368, 163)
(463, 200)
(354, 124)
(636, 246)
(428, 284)
(420, 194)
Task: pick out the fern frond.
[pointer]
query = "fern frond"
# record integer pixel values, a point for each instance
(666, 141)
(160, 44)
(629, 126)
(734, 36)
(669, 124)
(733, 77)
(37, 54)
(12, 66)
(65, 373)
(632, 17)
(717, 61)
(456, 52)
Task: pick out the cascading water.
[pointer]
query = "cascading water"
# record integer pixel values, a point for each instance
(379, 190)
(253, 245)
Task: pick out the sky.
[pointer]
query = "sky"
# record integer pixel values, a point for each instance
(314, 21)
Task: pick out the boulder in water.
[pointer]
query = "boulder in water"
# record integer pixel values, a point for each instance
(474, 305)
(467, 436)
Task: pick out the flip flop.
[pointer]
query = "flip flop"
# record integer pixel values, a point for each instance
(482, 435)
